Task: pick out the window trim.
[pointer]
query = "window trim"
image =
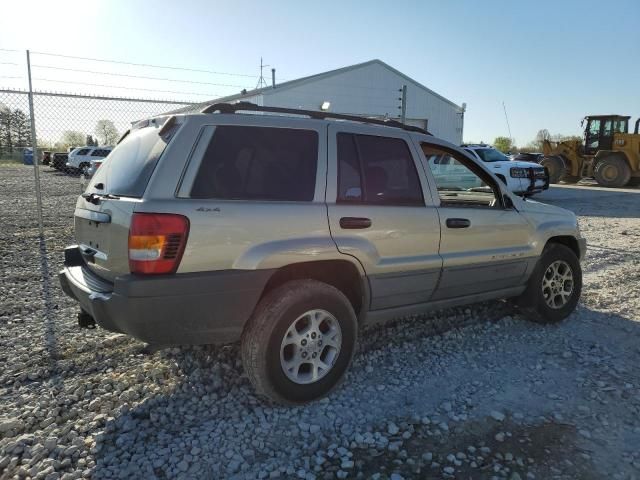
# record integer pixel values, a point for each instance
(363, 189)
(472, 165)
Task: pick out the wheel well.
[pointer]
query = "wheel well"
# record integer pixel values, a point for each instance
(340, 274)
(567, 241)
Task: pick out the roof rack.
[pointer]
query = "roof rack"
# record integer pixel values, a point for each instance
(252, 107)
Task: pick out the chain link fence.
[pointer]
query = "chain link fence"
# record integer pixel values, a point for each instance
(73, 134)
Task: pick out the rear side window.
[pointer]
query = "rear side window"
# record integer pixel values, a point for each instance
(258, 163)
(130, 164)
(376, 170)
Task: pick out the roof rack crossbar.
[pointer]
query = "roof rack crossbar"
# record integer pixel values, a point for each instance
(252, 107)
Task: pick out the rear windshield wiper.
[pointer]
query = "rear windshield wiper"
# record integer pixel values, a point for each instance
(95, 197)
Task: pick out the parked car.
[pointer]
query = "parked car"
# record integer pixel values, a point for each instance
(529, 157)
(288, 234)
(522, 178)
(80, 158)
(59, 160)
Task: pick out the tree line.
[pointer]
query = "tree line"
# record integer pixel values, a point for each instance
(15, 133)
(15, 129)
(507, 145)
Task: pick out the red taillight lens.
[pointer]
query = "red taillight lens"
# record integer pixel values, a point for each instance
(156, 242)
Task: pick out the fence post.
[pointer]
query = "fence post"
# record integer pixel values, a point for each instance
(34, 146)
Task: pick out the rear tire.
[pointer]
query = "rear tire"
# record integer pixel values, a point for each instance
(555, 166)
(613, 172)
(554, 287)
(287, 329)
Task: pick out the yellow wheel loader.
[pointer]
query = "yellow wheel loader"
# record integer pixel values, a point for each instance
(609, 153)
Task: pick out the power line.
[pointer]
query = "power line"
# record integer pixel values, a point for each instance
(146, 65)
(211, 95)
(137, 76)
(8, 63)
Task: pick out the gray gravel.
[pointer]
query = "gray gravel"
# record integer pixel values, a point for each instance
(475, 392)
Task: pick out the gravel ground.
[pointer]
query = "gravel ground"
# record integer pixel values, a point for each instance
(475, 392)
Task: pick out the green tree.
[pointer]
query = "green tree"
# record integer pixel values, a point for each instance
(91, 142)
(21, 125)
(72, 138)
(107, 132)
(6, 130)
(504, 144)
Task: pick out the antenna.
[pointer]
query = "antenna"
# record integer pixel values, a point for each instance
(261, 82)
(507, 118)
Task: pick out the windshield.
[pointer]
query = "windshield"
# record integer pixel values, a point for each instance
(491, 155)
(127, 169)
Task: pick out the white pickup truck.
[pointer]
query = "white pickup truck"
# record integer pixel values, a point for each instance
(522, 178)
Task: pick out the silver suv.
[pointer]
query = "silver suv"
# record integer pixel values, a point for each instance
(290, 232)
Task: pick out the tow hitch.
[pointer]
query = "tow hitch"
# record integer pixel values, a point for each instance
(85, 320)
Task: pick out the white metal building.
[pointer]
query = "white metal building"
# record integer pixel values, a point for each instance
(371, 89)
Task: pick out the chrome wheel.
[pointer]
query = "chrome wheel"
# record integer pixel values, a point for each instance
(557, 284)
(310, 347)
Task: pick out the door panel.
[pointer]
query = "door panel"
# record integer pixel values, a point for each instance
(483, 245)
(491, 254)
(399, 248)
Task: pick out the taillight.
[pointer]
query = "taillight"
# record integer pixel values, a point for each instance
(156, 242)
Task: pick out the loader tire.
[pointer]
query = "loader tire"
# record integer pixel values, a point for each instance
(613, 172)
(555, 165)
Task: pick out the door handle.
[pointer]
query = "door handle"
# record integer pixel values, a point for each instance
(355, 222)
(458, 223)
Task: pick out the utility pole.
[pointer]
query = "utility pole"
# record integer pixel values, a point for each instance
(403, 104)
(34, 146)
(273, 78)
(261, 82)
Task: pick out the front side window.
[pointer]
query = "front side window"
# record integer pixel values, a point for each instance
(258, 163)
(84, 151)
(376, 170)
(457, 184)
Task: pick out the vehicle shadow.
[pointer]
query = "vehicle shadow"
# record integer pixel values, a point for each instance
(207, 405)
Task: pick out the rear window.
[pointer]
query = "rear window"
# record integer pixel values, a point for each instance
(128, 167)
(258, 163)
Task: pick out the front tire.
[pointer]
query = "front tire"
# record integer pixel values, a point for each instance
(555, 166)
(299, 342)
(554, 287)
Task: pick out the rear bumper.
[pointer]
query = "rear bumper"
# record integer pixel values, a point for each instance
(181, 309)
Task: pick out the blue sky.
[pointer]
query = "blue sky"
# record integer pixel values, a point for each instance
(550, 62)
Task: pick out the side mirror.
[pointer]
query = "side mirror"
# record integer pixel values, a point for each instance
(506, 201)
